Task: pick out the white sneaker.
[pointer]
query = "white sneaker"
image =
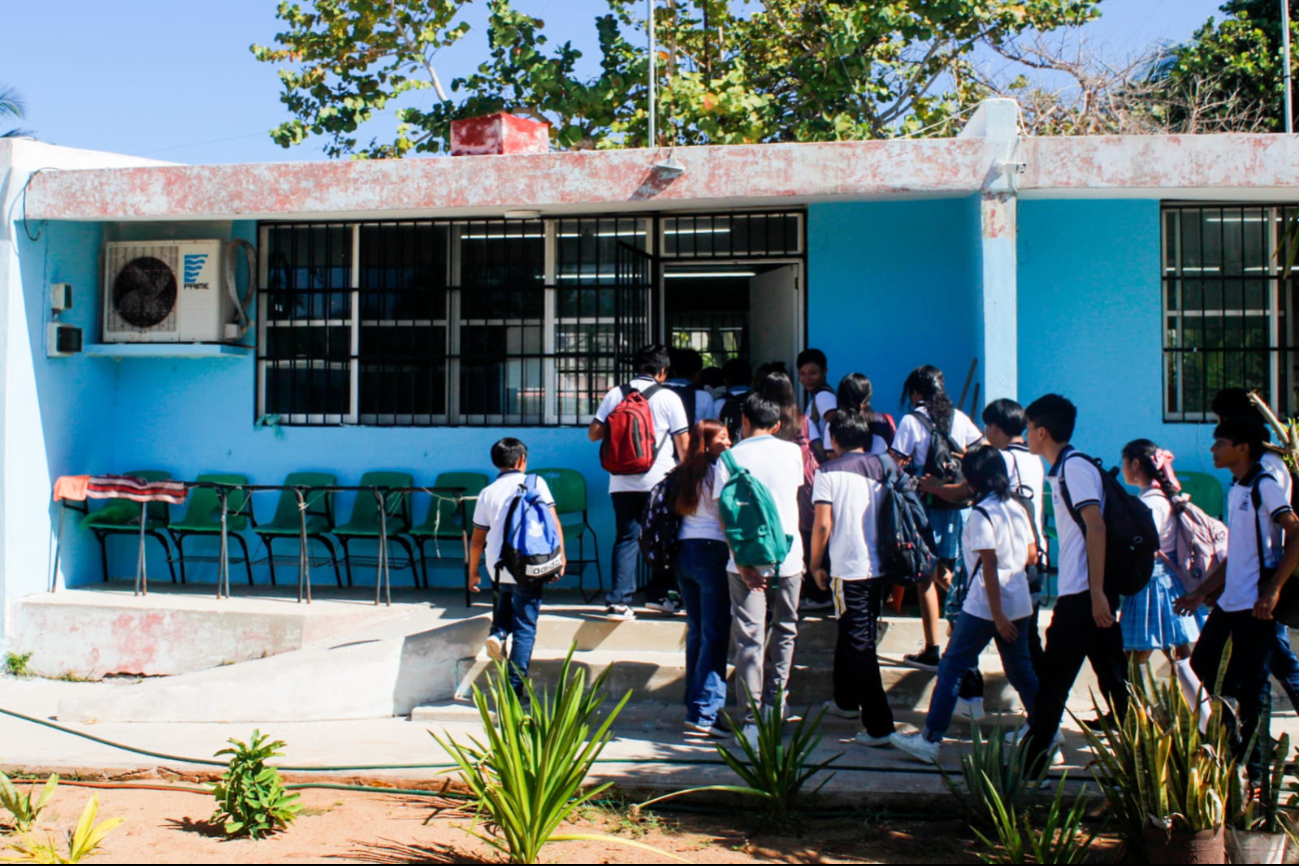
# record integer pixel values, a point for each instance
(667, 606)
(495, 648)
(971, 709)
(1014, 738)
(619, 613)
(916, 746)
(749, 733)
(864, 739)
(833, 709)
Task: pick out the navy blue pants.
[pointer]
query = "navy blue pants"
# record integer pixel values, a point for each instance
(627, 511)
(515, 616)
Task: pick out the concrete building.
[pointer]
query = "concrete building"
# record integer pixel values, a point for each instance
(408, 313)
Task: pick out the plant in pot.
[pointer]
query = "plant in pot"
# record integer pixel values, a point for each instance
(1166, 782)
(1259, 827)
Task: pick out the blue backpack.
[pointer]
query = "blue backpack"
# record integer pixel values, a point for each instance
(530, 549)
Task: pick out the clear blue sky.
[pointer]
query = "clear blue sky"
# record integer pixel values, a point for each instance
(174, 80)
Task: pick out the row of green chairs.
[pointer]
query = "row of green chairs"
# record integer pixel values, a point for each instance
(444, 522)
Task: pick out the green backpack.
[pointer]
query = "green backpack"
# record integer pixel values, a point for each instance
(754, 530)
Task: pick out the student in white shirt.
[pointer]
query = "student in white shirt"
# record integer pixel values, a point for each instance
(687, 364)
(764, 651)
(1258, 565)
(517, 605)
(630, 493)
(1083, 625)
(847, 493)
(701, 574)
(854, 395)
(998, 546)
(821, 401)
(933, 415)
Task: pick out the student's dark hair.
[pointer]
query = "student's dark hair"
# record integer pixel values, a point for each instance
(778, 388)
(1230, 402)
(686, 363)
(507, 453)
(985, 470)
(1055, 414)
(694, 466)
(854, 393)
(711, 377)
(849, 430)
(652, 358)
(1244, 430)
(1006, 415)
(763, 412)
(767, 369)
(812, 356)
(1143, 451)
(927, 381)
(737, 373)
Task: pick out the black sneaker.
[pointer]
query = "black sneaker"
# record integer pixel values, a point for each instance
(1099, 726)
(721, 729)
(925, 661)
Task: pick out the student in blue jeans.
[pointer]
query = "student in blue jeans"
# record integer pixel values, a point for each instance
(701, 576)
(518, 604)
(998, 545)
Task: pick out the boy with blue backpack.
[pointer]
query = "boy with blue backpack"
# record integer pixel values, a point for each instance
(516, 524)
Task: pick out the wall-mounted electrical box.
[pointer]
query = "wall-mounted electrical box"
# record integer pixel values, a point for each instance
(60, 297)
(63, 340)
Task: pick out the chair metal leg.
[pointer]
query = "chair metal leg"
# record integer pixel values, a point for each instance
(270, 554)
(338, 577)
(103, 551)
(410, 554)
(178, 538)
(166, 552)
(347, 559)
(248, 562)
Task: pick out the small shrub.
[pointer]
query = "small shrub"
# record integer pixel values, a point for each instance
(771, 771)
(20, 806)
(991, 773)
(251, 799)
(1059, 840)
(16, 664)
(83, 841)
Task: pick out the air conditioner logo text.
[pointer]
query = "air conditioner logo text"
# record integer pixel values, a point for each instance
(194, 263)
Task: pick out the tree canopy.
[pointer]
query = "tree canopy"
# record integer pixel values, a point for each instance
(729, 72)
(11, 106)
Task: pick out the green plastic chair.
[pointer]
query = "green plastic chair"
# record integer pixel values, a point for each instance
(446, 520)
(288, 524)
(569, 489)
(122, 517)
(364, 520)
(203, 517)
(1205, 491)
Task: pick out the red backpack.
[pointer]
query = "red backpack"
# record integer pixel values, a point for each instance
(629, 442)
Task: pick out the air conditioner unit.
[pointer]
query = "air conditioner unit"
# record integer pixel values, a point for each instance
(165, 292)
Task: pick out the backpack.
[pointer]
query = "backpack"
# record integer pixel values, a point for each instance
(1201, 543)
(754, 529)
(813, 411)
(530, 546)
(883, 427)
(689, 395)
(731, 413)
(1131, 538)
(660, 524)
(941, 461)
(905, 539)
(1286, 611)
(629, 446)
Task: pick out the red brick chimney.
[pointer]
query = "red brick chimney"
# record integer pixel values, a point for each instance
(499, 133)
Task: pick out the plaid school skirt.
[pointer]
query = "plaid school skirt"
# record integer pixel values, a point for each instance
(1148, 621)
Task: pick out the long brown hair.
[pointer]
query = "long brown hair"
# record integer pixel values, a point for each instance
(694, 466)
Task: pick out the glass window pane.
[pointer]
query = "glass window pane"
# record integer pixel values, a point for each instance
(501, 253)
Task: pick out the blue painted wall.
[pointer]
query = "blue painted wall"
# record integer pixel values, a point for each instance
(1089, 323)
(893, 285)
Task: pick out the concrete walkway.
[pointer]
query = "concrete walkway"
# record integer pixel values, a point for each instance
(645, 754)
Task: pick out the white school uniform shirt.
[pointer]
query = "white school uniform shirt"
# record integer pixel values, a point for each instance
(1004, 529)
(1162, 510)
(1246, 527)
(1026, 475)
(912, 439)
(1273, 465)
(669, 420)
(851, 486)
(779, 466)
(1083, 480)
(492, 511)
(704, 524)
(825, 401)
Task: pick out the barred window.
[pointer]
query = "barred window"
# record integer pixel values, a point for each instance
(468, 322)
(1227, 307)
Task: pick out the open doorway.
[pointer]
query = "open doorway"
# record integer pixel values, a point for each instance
(751, 310)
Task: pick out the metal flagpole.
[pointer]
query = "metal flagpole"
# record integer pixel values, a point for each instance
(1285, 41)
(649, 5)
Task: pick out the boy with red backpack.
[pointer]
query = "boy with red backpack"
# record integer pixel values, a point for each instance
(633, 426)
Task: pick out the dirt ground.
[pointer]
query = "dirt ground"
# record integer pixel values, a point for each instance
(353, 827)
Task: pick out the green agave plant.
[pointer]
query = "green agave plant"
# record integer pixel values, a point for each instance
(1059, 839)
(526, 777)
(771, 771)
(991, 773)
(25, 812)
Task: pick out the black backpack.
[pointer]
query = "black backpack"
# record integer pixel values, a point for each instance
(660, 524)
(731, 413)
(905, 539)
(1131, 538)
(689, 400)
(943, 461)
